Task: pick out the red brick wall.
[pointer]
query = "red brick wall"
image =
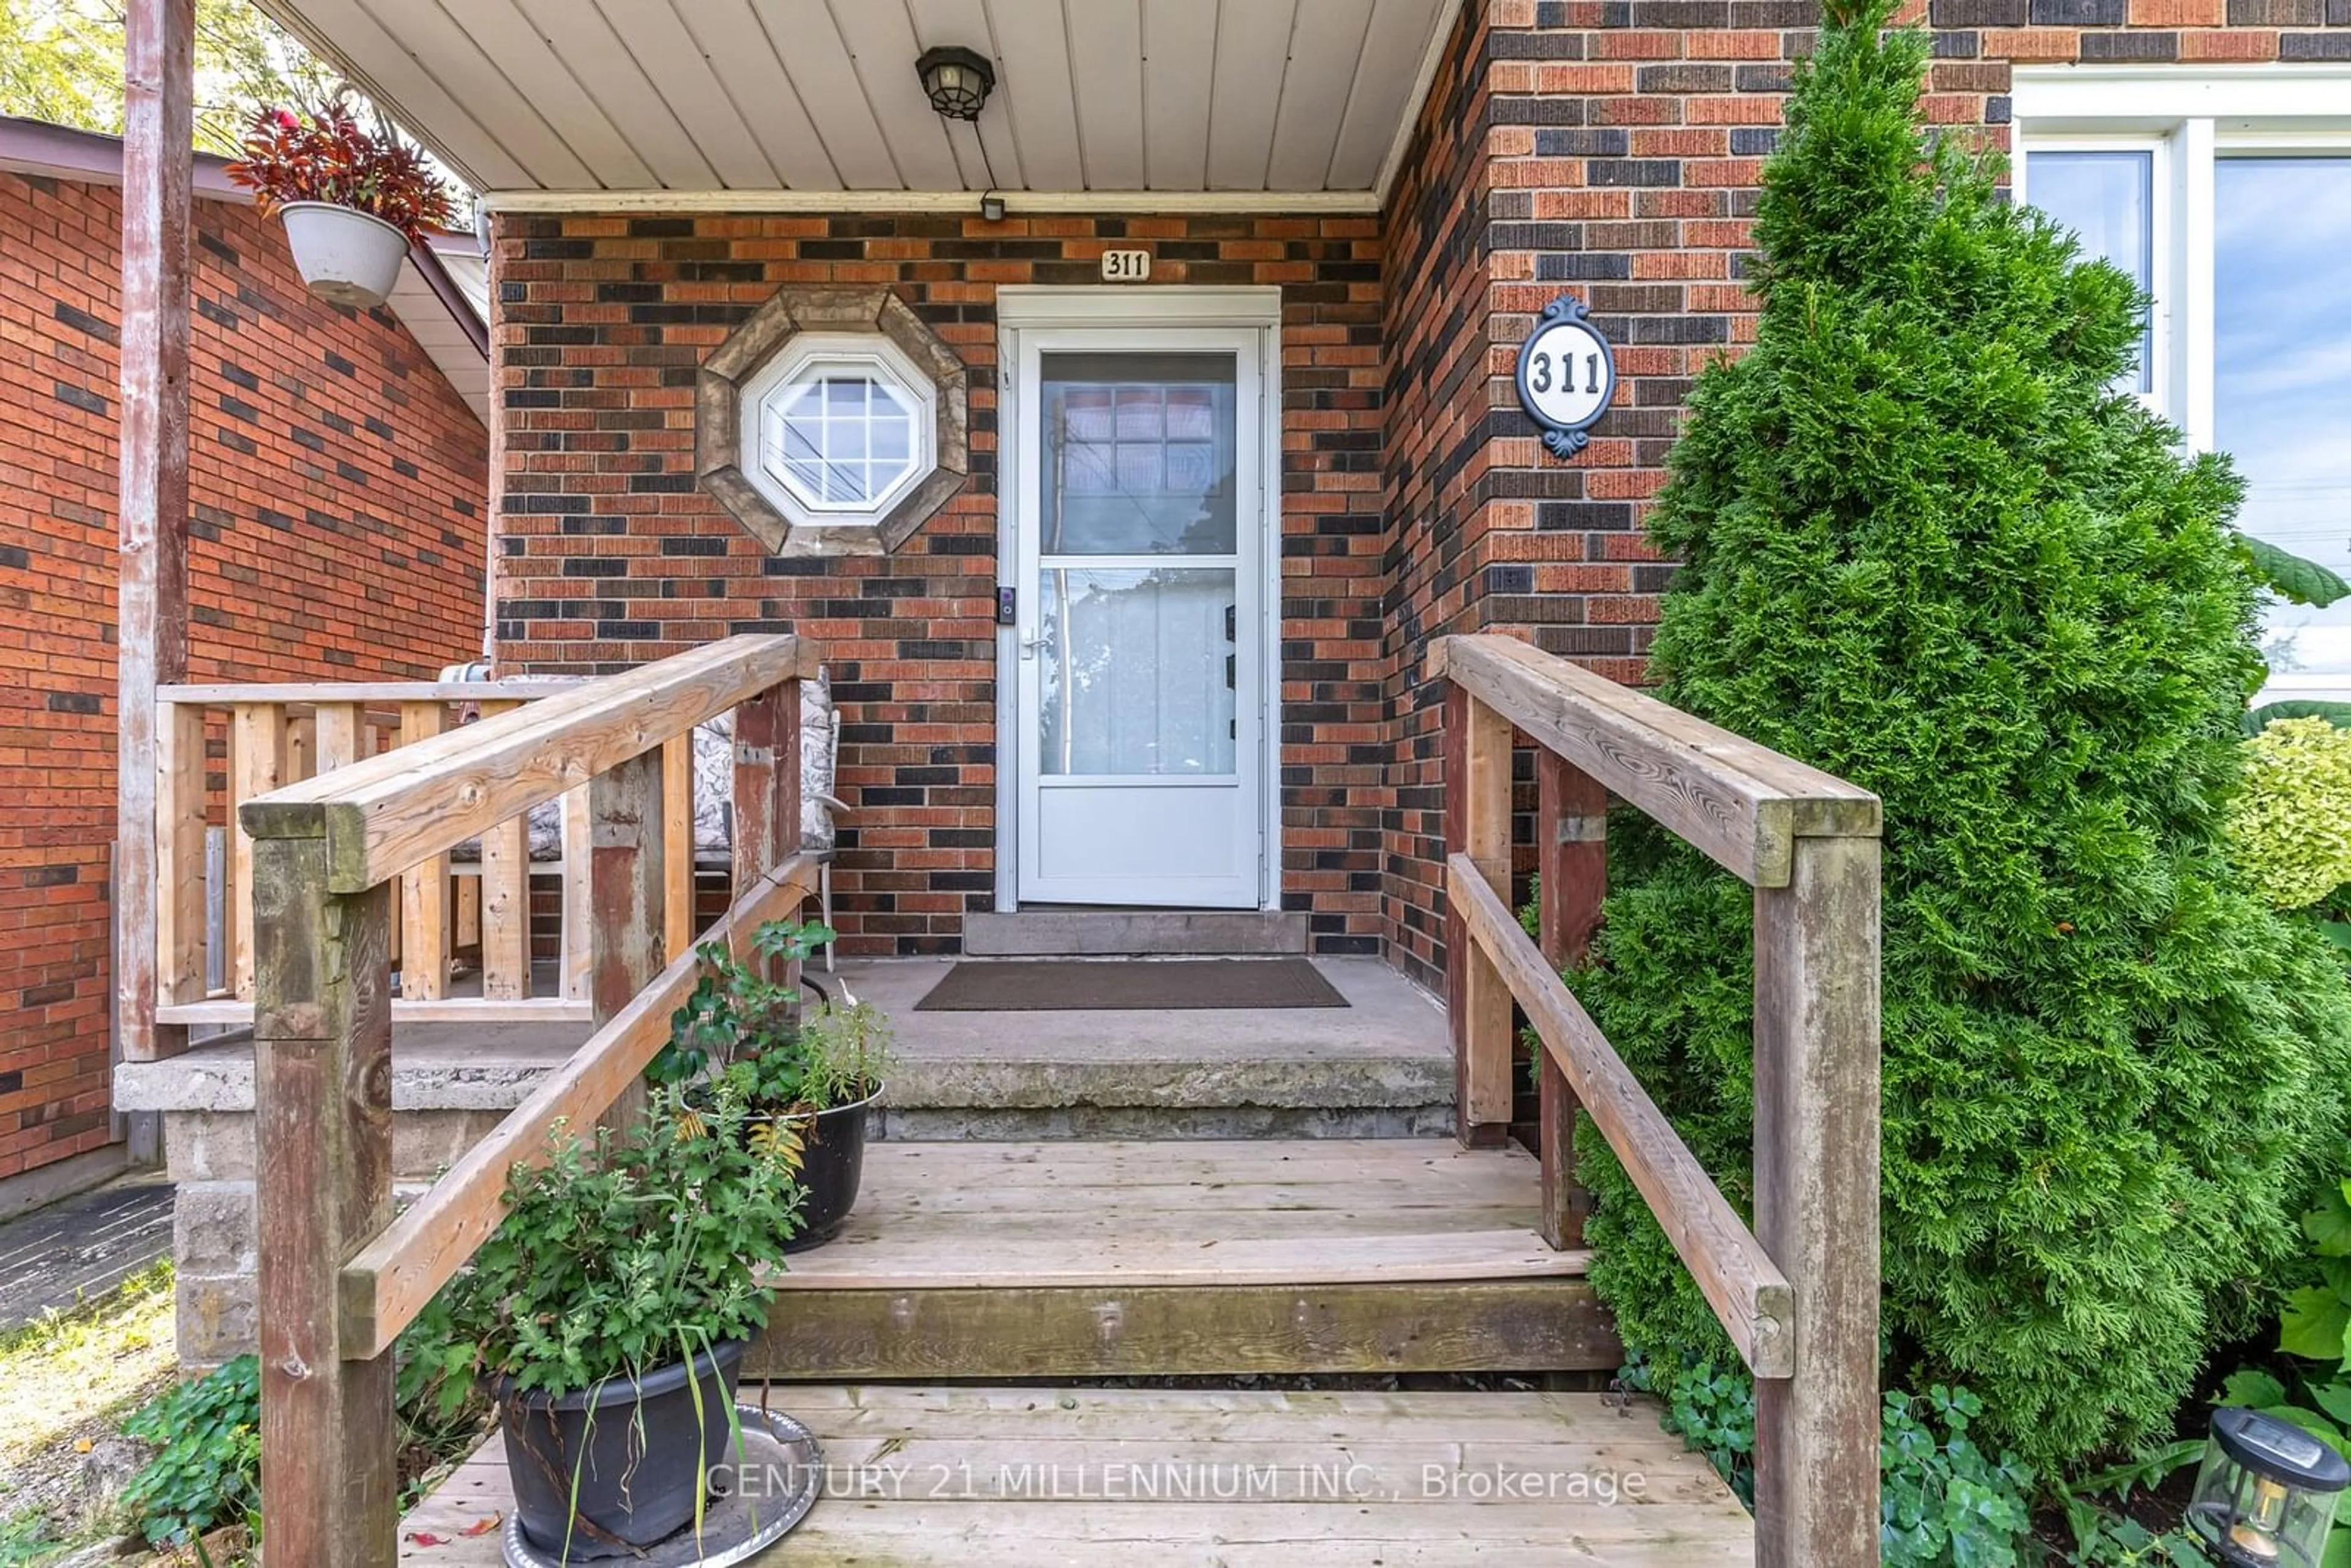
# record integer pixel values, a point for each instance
(1611, 149)
(1439, 484)
(338, 486)
(608, 554)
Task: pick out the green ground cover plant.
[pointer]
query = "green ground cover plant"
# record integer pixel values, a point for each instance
(1927, 548)
(206, 1471)
(1943, 1502)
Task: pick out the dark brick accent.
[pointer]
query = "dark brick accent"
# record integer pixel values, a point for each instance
(90, 326)
(1946, 14)
(2130, 46)
(2315, 47)
(1683, 79)
(1632, 172)
(2079, 13)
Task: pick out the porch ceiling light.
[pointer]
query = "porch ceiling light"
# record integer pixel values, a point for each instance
(957, 80)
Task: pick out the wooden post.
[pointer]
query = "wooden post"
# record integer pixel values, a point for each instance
(624, 882)
(301, 747)
(767, 785)
(1478, 1004)
(322, 1100)
(1816, 1175)
(505, 900)
(375, 739)
(180, 855)
(576, 955)
(1572, 856)
(677, 842)
(256, 765)
(340, 736)
(152, 588)
(423, 888)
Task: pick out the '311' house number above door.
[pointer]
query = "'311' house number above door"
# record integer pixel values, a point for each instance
(1567, 376)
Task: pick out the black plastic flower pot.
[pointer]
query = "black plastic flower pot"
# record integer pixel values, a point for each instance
(832, 1163)
(637, 1453)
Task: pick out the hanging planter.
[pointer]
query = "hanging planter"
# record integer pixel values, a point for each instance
(346, 256)
(352, 201)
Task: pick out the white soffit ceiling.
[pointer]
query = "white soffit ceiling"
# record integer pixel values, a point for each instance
(818, 96)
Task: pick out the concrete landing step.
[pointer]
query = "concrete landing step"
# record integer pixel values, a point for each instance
(1115, 933)
(995, 1478)
(1380, 1066)
(1067, 1258)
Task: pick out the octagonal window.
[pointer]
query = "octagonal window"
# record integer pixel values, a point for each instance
(837, 427)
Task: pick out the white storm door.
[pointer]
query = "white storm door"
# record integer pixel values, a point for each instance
(1139, 517)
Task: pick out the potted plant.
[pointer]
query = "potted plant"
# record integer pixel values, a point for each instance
(611, 1310)
(813, 1077)
(352, 201)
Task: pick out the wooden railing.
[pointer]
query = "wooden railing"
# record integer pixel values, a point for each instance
(1798, 1295)
(290, 733)
(340, 1276)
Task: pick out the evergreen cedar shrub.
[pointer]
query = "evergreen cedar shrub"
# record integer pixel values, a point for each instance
(1927, 551)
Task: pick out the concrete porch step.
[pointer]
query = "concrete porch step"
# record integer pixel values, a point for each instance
(1380, 1066)
(1022, 1478)
(1116, 933)
(1129, 1258)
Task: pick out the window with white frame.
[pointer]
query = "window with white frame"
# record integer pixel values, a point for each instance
(2227, 194)
(837, 427)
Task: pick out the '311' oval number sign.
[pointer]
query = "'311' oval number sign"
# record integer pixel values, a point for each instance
(1567, 376)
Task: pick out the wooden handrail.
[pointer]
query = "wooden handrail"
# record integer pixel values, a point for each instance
(281, 734)
(1749, 1295)
(1798, 1294)
(377, 694)
(1742, 804)
(384, 815)
(393, 1276)
(338, 1275)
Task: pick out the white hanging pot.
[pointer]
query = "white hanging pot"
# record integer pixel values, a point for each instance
(345, 255)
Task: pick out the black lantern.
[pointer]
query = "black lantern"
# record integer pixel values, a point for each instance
(2265, 1497)
(957, 80)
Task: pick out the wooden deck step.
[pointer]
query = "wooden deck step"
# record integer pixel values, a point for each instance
(977, 1259)
(996, 1477)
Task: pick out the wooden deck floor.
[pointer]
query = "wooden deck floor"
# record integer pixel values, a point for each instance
(1066, 1259)
(995, 1478)
(1252, 1211)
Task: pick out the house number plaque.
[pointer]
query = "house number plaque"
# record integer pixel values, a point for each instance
(1125, 266)
(1567, 376)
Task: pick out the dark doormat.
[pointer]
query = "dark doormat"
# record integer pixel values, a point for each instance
(1057, 985)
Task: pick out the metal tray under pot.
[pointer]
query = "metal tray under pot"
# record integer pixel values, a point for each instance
(767, 1490)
